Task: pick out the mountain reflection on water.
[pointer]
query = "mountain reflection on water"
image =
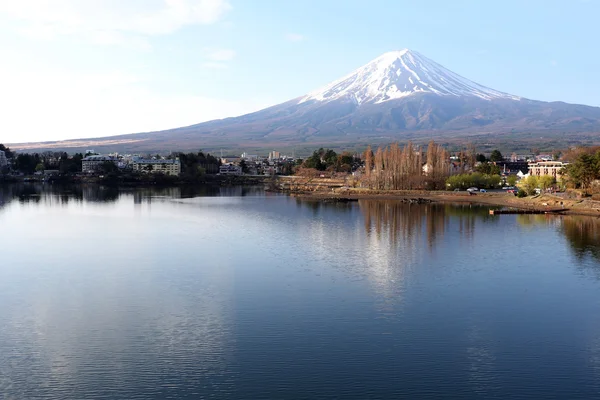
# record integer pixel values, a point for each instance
(231, 292)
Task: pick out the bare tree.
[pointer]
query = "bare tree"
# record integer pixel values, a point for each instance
(395, 168)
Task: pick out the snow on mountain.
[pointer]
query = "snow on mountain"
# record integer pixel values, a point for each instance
(398, 74)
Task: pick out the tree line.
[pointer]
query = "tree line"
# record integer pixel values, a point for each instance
(405, 168)
(196, 165)
(29, 163)
(329, 160)
(193, 165)
(584, 167)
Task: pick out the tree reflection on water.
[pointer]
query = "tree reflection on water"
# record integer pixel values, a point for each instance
(405, 221)
(583, 234)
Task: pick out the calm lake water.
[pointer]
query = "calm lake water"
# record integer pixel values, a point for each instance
(236, 294)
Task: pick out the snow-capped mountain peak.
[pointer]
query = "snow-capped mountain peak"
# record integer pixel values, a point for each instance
(398, 74)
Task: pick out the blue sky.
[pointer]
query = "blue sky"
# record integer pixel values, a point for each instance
(87, 68)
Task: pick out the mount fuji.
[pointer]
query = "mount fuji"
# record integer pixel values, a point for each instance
(399, 74)
(399, 95)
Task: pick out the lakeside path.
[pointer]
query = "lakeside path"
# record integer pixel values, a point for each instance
(545, 202)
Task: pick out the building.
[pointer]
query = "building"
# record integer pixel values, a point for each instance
(3, 160)
(544, 157)
(249, 157)
(274, 155)
(230, 169)
(514, 157)
(167, 167)
(451, 168)
(230, 160)
(552, 168)
(91, 164)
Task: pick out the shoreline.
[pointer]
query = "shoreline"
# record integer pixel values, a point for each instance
(118, 182)
(543, 203)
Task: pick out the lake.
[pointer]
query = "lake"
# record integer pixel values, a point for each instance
(233, 293)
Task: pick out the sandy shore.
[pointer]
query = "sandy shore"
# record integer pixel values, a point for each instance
(546, 202)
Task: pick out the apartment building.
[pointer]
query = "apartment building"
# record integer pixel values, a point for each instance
(91, 164)
(167, 167)
(552, 168)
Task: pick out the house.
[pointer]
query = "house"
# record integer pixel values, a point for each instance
(269, 170)
(167, 167)
(451, 168)
(230, 169)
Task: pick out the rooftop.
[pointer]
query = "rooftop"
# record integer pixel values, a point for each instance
(100, 158)
(151, 161)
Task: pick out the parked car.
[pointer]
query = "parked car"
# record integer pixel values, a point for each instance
(482, 190)
(505, 188)
(472, 189)
(457, 190)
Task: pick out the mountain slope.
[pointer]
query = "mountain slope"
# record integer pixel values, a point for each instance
(398, 95)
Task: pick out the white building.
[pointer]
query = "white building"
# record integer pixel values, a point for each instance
(3, 160)
(521, 175)
(249, 157)
(91, 164)
(167, 167)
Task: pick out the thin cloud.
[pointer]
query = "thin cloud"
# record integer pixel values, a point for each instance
(294, 37)
(215, 65)
(220, 54)
(112, 38)
(128, 22)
